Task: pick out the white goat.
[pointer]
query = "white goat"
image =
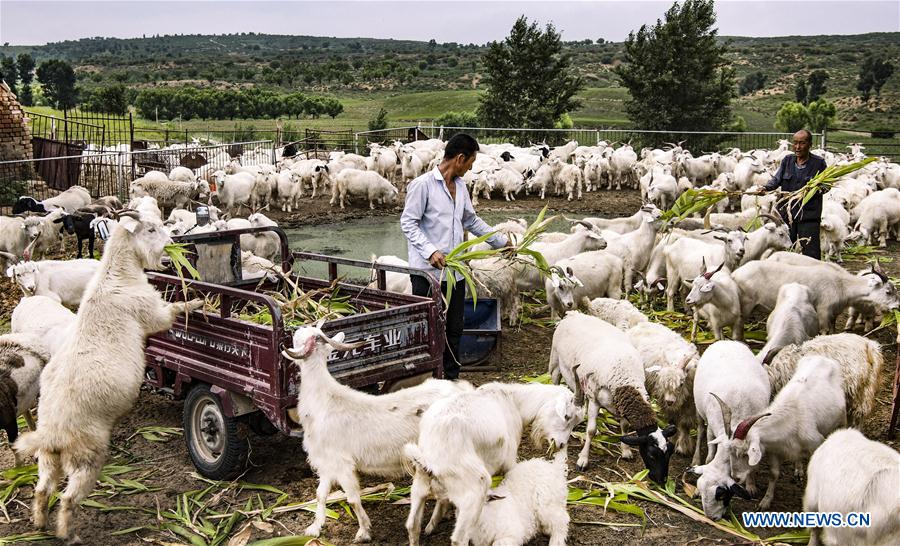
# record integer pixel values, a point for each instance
(45, 318)
(394, 282)
(715, 297)
(96, 377)
(868, 476)
(620, 313)
(466, 439)
(530, 499)
(587, 275)
(610, 374)
(62, 280)
(807, 409)
(381, 424)
(722, 403)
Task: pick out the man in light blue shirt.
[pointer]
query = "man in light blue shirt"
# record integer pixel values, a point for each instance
(437, 212)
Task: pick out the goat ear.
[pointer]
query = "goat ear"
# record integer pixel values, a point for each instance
(653, 369)
(339, 337)
(634, 440)
(739, 491)
(669, 431)
(129, 223)
(754, 454)
(723, 494)
(697, 470)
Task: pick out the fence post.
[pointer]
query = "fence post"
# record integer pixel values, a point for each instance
(130, 130)
(824, 138)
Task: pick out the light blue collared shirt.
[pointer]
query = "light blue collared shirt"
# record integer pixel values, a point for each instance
(432, 221)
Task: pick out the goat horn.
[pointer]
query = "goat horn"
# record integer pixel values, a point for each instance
(589, 226)
(740, 433)
(777, 219)
(292, 354)
(876, 269)
(726, 414)
(10, 256)
(706, 220)
(340, 345)
(579, 392)
(709, 274)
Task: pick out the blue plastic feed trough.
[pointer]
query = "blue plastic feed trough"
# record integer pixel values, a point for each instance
(481, 331)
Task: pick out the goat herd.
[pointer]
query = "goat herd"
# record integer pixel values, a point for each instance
(794, 399)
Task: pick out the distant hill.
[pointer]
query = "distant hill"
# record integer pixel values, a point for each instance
(355, 66)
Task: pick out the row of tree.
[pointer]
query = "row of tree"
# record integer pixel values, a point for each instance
(190, 103)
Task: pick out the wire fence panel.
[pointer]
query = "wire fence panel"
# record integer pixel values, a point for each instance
(883, 143)
(111, 173)
(695, 141)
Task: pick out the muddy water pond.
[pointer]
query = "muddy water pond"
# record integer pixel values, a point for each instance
(380, 235)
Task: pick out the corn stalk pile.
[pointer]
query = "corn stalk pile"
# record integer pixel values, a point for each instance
(298, 307)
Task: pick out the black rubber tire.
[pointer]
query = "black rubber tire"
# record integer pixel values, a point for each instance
(213, 443)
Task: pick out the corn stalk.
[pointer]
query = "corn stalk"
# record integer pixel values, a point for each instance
(457, 261)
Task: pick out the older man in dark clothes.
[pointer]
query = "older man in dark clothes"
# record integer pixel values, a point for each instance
(795, 171)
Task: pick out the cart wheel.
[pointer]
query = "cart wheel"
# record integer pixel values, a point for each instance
(212, 438)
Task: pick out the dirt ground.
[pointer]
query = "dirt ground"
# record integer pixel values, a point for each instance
(278, 461)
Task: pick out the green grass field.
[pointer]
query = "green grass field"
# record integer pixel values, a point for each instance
(601, 108)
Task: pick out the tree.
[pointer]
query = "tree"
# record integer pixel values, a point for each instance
(821, 113)
(792, 117)
(112, 100)
(801, 93)
(873, 74)
(333, 107)
(8, 73)
(380, 121)
(529, 81)
(676, 72)
(752, 82)
(25, 64)
(817, 86)
(58, 81)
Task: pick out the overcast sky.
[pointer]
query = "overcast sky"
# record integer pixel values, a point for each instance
(36, 22)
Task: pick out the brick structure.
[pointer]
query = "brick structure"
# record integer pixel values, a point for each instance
(15, 138)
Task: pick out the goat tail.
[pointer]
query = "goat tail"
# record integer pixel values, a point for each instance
(414, 461)
(30, 443)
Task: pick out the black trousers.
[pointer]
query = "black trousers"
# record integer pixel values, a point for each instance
(421, 287)
(808, 233)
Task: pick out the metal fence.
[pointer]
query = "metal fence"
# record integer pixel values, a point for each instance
(110, 173)
(884, 143)
(696, 141)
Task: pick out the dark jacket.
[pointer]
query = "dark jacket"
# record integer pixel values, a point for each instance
(789, 178)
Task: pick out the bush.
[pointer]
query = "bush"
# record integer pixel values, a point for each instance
(380, 121)
(457, 119)
(564, 122)
(792, 117)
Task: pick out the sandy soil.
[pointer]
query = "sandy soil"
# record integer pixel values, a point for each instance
(279, 461)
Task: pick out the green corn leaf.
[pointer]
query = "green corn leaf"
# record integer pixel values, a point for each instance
(129, 530)
(178, 252)
(460, 248)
